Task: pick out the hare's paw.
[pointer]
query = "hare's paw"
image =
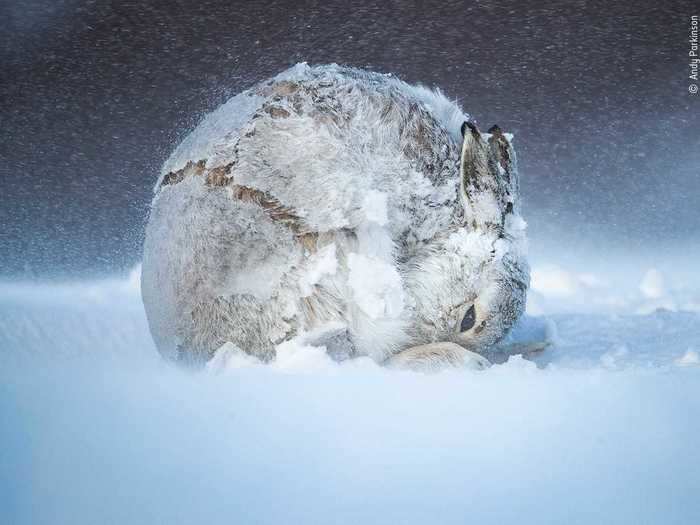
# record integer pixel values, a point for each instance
(434, 357)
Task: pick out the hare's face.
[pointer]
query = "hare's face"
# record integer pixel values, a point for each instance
(469, 287)
(496, 306)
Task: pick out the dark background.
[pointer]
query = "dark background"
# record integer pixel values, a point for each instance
(95, 94)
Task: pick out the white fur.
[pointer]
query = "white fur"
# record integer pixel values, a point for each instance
(368, 168)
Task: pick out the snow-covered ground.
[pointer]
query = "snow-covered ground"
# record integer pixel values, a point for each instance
(602, 428)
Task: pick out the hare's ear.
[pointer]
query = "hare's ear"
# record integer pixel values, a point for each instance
(488, 178)
(504, 154)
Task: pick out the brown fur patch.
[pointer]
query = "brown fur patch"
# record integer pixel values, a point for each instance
(309, 241)
(219, 176)
(276, 112)
(191, 168)
(284, 88)
(274, 208)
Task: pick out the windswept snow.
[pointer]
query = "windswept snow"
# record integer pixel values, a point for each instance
(601, 428)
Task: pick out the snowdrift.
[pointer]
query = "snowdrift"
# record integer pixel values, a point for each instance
(96, 428)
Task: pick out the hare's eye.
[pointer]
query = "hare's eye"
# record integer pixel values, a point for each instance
(468, 320)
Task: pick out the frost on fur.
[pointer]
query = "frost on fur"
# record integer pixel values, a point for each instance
(331, 196)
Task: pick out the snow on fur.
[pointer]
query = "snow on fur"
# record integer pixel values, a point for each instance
(331, 195)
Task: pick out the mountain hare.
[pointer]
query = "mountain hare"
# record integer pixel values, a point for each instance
(370, 216)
